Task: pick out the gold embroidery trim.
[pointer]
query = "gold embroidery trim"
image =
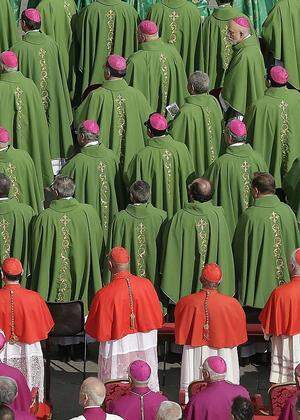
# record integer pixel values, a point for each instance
(141, 250)
(227, 47)
(246, 184)
(277, 247)
(14, 190)
(201, 227)
(13, 337)
(104, 194)
(210, 136)
(44, 79)
(67, 6)
(284, 135)
(120, 106)
(110, 16)
(167, 159)
(131, 303)
(19, 106)
(173, 27)
(165, 80)
(5, 238)
(63, 287)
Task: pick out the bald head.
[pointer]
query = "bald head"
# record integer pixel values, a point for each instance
(200, 190)
(92, 392)
(236, 32)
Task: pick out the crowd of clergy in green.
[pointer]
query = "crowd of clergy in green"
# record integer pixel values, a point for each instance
(63, 78)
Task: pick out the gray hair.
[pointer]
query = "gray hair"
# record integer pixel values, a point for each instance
(140, 192)
(199, 81)
(8, 390)
(64, 186)
(169, 410)
(214, 376)
(90, 137)
(5, 184)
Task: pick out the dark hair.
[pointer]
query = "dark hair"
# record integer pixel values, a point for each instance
(140, 192)
(224, 1)
(242, 409)
(29, 23)
(5, 184)
(64, 186)
(12, 278)
(274, 84)
(264, 182)
(201, 190)
(6, 413)
(116, 73)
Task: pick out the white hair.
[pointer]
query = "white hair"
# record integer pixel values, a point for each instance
(294, 265)
(8, 390)
(214, 376)
(8, 69)
(169, 410)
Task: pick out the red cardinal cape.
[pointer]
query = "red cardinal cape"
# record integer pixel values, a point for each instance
(280, 315)
(32, 319)
(226, 320)
(110, 314)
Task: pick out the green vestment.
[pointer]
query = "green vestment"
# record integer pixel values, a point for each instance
(67, 247)
(216, 49)
(256, 10)
(291, 186)
(273, 125)
(179, 24)
(15, 5)
(15, 219)
(265, 237)
(166, 165)
(18, 166)
(281, 34)
(197, 234)
(8, 27)
(40, 60)
(105, 27)
(230, 176)
(121, 112)
(57, 18)
(95, 172)
(203, 7)
(244, 80)
(83, 3)
(157, 70)
(138, 228)
(22, 114)
(142, 6)
(199, 126)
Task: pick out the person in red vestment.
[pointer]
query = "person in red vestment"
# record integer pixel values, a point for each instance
(208, 323)
(124, 318)
(281, 321)
(22, 401)
(141, 402)
(25, 320)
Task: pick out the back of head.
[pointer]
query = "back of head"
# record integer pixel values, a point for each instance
(169, 410)
(6, 413)
(64, 186)
(31, 18)
(198, 83)
(242, 409)
(92, 392)
(200, 190)
(5, 185)
(214, 368)
(139, 192)
(88, 132)
(119, 259)
(8, 390)
(115, 66)
(278, 76)
(236, 131)
(157, 125)
(264, 183)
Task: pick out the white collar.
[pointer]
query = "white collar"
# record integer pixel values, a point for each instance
(92, 143)
(240, 143)
(67, 198)
(4, 149)
(4, 198)
(246, 37)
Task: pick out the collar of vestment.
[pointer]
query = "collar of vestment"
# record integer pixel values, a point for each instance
(119, 84)
(94, 150)
(109, 2)
(155, 44)
(34, 37)
(12, 286)
(140, 211)
(278, 92)
(201, 99)
(121, 275)
(249, 42)
(11, 76)
(160, 142)
(267, 201)
(94, 413)
(295, 278)
(211, 291)
(5, 155)
(225, 13)
(6, 206)
(196, 207)
(140, 390)
(174, 4)
(63, 206)
(242, 150)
